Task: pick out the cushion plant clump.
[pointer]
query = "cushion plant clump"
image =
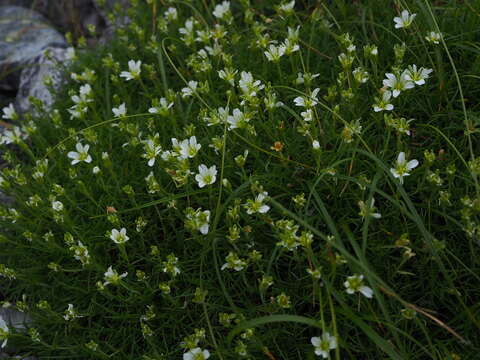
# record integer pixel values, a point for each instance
(253, 180)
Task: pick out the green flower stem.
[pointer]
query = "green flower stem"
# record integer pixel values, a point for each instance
(123, 252)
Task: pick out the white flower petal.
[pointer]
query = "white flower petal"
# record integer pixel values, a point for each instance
(412, 164)
(366, 291)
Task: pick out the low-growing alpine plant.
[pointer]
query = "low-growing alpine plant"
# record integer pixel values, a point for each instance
(253, 180)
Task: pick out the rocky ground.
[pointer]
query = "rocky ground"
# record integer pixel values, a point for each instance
(32, 43)
(28, 27)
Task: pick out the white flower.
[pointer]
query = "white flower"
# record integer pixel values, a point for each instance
(368, 210)
(237, 120)
(405, 20)
(80, 155)
(188, 91)
(346, 60)
(216, 116)
(134, 68)
(372, 50)
(221, 10)
(434, 37)
(249, 85)
(171, 14)
(286, 7)
(81, 253)
(170, 266)
(151, 151)
(14, 136)
(257, 205)
(76, 113)
(71, 313)
(398, 83)
(290, 46)
(402, 167)
(111, 276)
(293, 34)
(188, 148)
(168, 155)
(234, 262)
(9, 112)
(176, 146)
(307, 115)
(96, 170)
(197, 220)
(81, 101)
(417, 76)
(196, 354)
(206, 176)
(216, 50)
(119, 237)
(120, 111)
(274, 53)
(271, 101)
(324, 344)
(354, 283)
(70, 53)
(228, 74)
(188, 31)
(204, 222)
(305, 78)
(384, 102)
(85, 91)
(402, 125)
(307, 102)
(299, 80)
(57, 205)
(78, 99)
(315, 145)
(160, 107)
(4, 332)
(360, 75)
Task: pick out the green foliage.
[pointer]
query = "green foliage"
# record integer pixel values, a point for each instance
(246, 181)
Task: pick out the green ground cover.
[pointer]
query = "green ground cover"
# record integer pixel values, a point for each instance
(254, 180)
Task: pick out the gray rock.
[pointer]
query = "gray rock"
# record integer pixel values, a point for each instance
(65, 15)
(93, 18)
(8, 357)
(37, 5)
(5, 99)
(49, 64)
(15, 319)
(120, 21)
(108, 6)
(24, 33)
(6, 200)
